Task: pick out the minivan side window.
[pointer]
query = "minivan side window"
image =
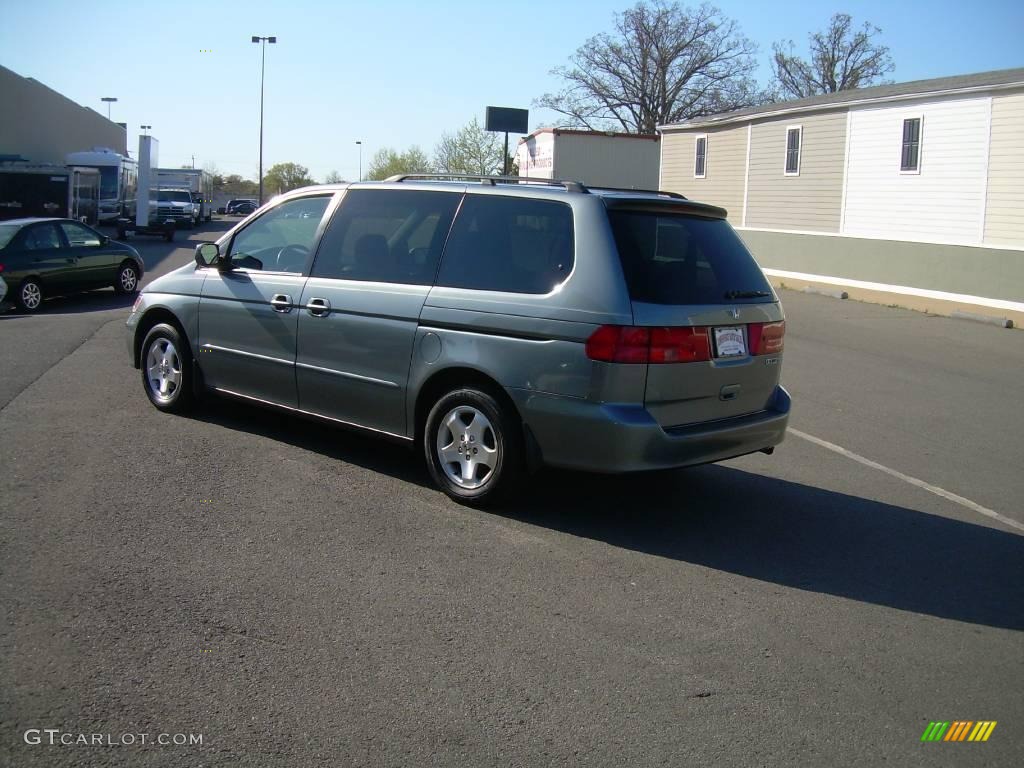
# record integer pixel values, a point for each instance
(280, 240)
(387, 236)
(510, 244)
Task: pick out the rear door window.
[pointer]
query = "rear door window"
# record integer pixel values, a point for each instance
(511, 244)
(675, 258)
(387, 236)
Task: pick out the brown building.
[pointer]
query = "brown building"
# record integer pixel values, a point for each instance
(43, 126)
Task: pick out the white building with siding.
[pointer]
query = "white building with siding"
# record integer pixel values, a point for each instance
(914, 190)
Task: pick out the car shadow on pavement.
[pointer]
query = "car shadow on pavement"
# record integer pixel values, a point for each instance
(390, 457)
(796, 536)
(92, 301)
(731, 520)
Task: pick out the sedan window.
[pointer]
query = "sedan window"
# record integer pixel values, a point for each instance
(78, 235)
(42, 237)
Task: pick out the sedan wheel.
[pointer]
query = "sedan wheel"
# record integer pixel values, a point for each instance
(30, 295)
(127, 279)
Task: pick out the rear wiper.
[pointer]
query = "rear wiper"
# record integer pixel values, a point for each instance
(746, 294)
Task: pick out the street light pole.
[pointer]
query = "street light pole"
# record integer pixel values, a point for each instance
(263, 63)
(109, 100)
(360, 160)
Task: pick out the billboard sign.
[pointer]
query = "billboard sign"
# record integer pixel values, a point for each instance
(507, 120)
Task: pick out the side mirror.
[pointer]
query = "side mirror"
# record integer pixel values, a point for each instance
(207, 254)
(104, 239)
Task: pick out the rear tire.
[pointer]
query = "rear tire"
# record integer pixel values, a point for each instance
(127, 279)
(167, 369)
(30, 295)
(473, 446)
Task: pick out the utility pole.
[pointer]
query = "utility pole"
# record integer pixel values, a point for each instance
(263, 64)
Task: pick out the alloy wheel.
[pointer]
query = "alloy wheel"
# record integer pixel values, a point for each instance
(468, 447)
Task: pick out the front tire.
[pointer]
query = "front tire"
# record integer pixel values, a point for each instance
(472, 446)
(127, 279)
(167, 369)
(30, 295)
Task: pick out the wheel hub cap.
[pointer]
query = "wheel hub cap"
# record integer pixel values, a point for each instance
(467, 447)
(163, 370)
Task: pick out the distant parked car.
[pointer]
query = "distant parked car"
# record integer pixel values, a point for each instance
(47, 257)
(229, 209)
(243, 208)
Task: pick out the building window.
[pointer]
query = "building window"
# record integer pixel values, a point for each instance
(794, 136)
(910, 159)
(700, 158)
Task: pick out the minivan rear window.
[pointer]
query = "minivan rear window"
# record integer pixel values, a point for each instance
(510, 244)
(677, 258)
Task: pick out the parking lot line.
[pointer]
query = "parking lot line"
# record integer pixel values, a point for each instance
(948, 495)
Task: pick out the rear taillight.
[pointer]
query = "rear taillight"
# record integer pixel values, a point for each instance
(659, 344)
(679, 345)
(619, 344)
(766, 338)
(1, 267)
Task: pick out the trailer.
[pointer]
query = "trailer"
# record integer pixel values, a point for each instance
(148, 218)
(198, 182)
(28, 189)
(596, 158)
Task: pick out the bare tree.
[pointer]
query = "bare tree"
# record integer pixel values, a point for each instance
(333, 178)
(841, 58)
(471, 150)
(664, 63)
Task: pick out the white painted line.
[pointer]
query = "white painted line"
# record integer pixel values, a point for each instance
(967, 503)
(926, 293)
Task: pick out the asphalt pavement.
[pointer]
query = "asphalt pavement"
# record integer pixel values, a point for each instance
(300, 595)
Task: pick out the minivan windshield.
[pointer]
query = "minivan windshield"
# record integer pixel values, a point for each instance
(677, 258)
(174, 196)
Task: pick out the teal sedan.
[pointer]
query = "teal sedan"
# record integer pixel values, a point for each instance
(40, 258)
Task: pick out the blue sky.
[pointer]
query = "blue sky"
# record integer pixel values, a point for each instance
(392, 72)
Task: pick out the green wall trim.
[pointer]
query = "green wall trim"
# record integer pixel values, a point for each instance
(989, 272)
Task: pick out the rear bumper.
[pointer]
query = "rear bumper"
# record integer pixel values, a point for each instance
(595, 437)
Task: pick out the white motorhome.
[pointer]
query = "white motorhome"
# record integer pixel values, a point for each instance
(118, 181)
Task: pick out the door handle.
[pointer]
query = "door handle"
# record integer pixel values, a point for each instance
(281, 303)
(318, 307)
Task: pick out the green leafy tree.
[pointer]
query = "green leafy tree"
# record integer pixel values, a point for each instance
(471, 150)
(387, 162)
(841, 58)
(284, 177)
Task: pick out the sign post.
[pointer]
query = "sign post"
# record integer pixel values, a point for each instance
(507, 120)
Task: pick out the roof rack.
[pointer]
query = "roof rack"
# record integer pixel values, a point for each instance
(659, 192)
(569, 186)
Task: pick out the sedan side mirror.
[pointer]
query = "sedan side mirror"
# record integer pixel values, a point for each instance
(207, 254)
